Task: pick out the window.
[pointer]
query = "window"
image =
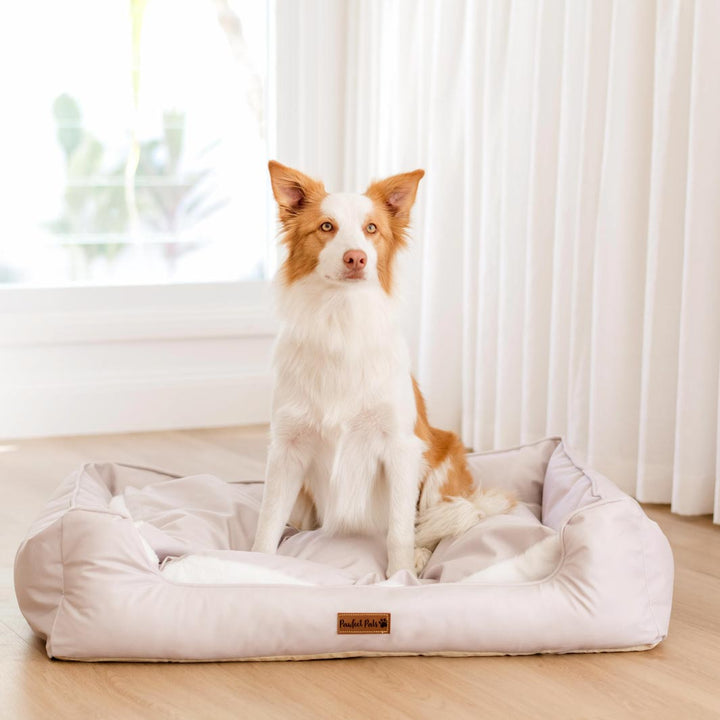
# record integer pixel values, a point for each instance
(134, 142)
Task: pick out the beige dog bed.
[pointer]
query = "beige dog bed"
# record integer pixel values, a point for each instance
(128, 563)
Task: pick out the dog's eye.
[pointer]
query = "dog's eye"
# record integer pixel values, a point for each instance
(326, 227)
(371, 228)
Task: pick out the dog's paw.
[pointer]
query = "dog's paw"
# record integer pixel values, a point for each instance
(422, 555)
(400, 557)
(392, 569)
(263, 547)
(401, 561)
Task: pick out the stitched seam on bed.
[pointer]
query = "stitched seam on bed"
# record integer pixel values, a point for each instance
(76, 489)
(562, 531)
(651, 604)
(583, 470)
(51, 635)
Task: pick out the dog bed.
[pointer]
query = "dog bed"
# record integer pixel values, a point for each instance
(130, 563)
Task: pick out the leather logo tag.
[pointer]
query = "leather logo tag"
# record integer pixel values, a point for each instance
(363, 623)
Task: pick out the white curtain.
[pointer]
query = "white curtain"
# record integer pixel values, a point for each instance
(565, 271)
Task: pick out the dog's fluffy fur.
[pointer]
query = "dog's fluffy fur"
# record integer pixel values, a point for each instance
(351, 447)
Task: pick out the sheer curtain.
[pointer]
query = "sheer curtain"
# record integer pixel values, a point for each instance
(565, 270)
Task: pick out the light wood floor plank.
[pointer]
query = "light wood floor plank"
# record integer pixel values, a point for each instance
(678, 679)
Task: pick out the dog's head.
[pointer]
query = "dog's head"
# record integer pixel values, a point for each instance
(341, 238)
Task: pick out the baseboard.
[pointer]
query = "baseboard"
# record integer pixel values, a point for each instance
(135, 404)
(89, 360)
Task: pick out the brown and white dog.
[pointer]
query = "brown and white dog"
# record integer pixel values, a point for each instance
(351, 447)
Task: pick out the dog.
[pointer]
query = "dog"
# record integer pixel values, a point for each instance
(351, 449)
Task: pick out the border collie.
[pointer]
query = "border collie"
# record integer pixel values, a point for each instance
(351, 448)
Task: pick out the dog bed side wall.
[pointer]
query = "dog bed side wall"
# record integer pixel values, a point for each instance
(117, 607)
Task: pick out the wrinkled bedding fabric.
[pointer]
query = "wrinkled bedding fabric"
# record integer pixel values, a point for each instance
(129, 563)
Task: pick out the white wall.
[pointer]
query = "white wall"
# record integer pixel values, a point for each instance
(92, 360)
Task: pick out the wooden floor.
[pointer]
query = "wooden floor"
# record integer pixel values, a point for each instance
(679, 679)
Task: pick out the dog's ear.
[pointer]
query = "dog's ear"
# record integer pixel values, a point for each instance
(292, 189)
(397, 194)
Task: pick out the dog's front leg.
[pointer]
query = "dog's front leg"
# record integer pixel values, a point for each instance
(289, 455)
(402, 471)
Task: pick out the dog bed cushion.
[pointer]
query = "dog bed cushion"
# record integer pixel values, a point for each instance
(130, 563)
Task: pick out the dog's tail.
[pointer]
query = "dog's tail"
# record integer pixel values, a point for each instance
(456, 515)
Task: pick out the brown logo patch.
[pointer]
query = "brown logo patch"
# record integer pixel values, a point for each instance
(363, 623)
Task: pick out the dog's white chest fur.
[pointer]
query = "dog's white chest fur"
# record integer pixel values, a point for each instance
(342, 390)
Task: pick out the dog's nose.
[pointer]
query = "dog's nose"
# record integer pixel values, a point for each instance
(354, 259)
